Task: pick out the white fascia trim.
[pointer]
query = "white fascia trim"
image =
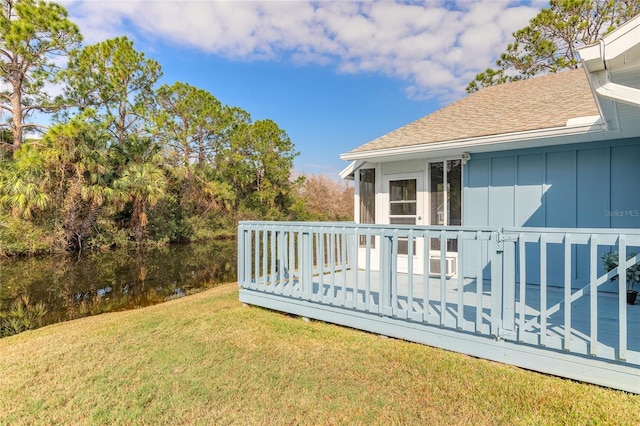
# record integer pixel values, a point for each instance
(347, 172)
(469, 143)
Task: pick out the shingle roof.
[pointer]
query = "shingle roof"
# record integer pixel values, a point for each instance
(533, 104)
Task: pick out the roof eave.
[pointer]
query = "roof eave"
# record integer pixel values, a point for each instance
(495, 142)
(347, 172)
(618, 51)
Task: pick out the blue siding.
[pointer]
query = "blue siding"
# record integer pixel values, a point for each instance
(475, 204)
(476, 196)
(501, 192)
(560, 194)
(624, 210)
(529, 191)
(593, 185)
(590, 185)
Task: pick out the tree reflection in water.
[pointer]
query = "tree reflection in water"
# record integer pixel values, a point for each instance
(59, 288)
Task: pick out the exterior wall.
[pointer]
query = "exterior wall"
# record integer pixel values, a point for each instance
(577, 186)
(593, 185)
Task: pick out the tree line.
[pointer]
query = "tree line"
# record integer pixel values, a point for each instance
(122, 160)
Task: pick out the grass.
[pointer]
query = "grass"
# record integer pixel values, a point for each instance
(206, 359)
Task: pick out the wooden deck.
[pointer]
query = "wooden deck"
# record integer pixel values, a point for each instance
(526, 325)
(464, 317)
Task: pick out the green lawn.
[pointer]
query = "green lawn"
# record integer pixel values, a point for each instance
(206, 359)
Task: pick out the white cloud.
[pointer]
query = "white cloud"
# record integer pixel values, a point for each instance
(436, 47)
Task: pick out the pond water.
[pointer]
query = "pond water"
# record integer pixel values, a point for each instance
(45, 290)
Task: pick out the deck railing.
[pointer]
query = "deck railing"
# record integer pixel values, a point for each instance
(541, 287)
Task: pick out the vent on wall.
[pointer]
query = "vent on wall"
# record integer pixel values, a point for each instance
(434, 265)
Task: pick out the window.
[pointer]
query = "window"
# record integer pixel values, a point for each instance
(445, 190)
(367, 191)
(403, 207)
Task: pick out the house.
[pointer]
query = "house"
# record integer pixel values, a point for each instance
(479, 228)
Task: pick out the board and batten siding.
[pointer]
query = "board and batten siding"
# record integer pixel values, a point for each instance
(594, 185)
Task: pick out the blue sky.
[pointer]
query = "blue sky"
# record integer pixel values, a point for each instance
(333, 74)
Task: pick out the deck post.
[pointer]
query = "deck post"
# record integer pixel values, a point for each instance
(307, 262)
(622, 292)
(386, 243)
(497, 283)
(241, 258)
(508, 329)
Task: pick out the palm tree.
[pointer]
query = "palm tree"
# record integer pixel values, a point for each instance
(76, 158)
(142, 181)
(21, 183)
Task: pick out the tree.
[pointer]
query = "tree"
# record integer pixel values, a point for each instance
(22, 183)
(79, 177)
(322, 199)
(258, 164)
(548, 44)
(191, 122)
(33, 37)
(60, 182)
(117, 81)
(141, 182)
(194, 128)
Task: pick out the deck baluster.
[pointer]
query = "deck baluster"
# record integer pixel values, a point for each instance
(354, 267)
(522, 300)
(443, 277)
(543, 289)
(394, 275)
(332, 265)
(367, 279)
(460, 276)
(322, 261)
(425, 278)
(479, 284)
(410, 245)
(265, 256)
(343, 267)
(291, 263)
(567, 292)
(279, 279)
(593, 295)
(622, 299)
